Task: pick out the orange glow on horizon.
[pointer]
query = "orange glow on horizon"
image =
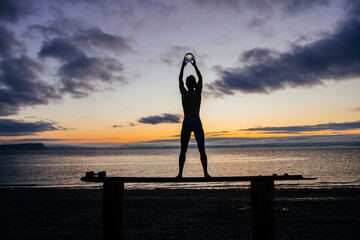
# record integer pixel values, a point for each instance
(151, 133)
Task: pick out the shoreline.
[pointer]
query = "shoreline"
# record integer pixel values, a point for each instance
(138, 186)
(44, 213)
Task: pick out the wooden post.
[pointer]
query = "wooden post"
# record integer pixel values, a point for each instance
(262, 207)
(113, 193)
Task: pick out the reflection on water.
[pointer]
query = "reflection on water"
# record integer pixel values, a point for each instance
(63, 168)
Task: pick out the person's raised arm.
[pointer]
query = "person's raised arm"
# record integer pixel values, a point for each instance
(181, 81)
(200, 83)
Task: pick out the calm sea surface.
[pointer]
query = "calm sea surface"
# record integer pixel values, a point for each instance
(336, 166)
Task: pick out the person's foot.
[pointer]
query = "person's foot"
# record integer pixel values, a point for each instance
(206, 175)
(179, 176)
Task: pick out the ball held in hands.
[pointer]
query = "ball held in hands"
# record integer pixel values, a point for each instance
(189, 57)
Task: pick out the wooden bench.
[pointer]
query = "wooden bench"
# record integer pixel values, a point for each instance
(262, 199)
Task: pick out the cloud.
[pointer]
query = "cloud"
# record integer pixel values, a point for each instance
(88, 59)
(153, 120)
(12, 127)
(96, 37)
(318, 140)
(163, 118)
(20, 85)
(80, 73)
(64, 27)
(8, 43)
(61, 49)
(287, 7)
(313, 140)
(117, 126)
(258, 55)
(13, 10)
(53, 140)
(87, 37)
(293, 7)
(122, 126)
(149, 8)
(334, 57)
(217, 134)
(308, 128)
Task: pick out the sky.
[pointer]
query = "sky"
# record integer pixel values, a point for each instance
(105, 73)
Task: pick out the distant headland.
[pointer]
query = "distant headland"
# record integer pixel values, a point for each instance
(23, 146)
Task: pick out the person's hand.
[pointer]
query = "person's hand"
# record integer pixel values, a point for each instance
(184, 62)
(193, 62)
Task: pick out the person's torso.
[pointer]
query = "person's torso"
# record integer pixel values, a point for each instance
(191, 103)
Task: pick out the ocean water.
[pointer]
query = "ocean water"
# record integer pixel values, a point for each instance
(333, 166)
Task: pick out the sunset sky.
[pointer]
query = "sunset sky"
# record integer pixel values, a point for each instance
(105, 73)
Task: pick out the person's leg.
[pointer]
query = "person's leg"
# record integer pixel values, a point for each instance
(185, 137)
(200, 139)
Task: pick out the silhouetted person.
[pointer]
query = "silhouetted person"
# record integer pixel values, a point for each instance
(191, 99)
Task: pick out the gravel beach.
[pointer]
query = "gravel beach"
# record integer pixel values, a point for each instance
(50, 213)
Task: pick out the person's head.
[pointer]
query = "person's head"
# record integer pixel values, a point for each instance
(190, 82)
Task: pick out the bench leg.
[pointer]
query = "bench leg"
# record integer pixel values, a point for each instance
(112, 210)
(262, 207)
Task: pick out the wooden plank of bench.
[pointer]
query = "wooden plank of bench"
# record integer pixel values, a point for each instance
(193, 179)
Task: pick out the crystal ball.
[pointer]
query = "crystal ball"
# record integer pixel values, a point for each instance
(189, 57)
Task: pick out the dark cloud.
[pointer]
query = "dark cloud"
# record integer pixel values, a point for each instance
(258, 55)
(11, 127)
(216, 134)
(117, 126)
(20, 85)
(61, 49)
(128, 8)
(13, 10)
(308, 128)
(64, 27)
(335, 56)
(37, 140)
(51, 140)
(292, 7)
(122, 126)
(81, 76)
(163, 118)
(96, 37)
(80, 73)
(218, 3)
(287, 7)
(155, 119)
(87, 56)
(90, 38)
(8, 43)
